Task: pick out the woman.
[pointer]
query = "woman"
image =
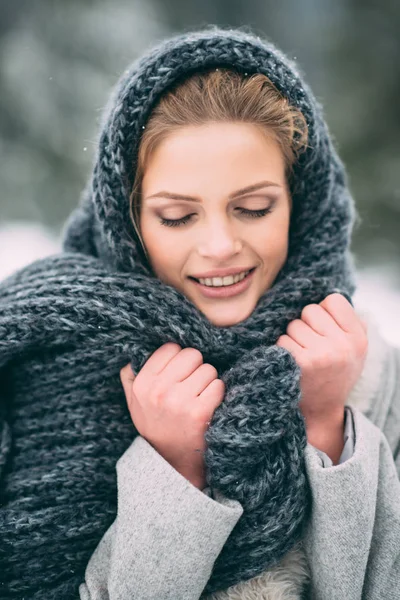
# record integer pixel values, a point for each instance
(263, 458)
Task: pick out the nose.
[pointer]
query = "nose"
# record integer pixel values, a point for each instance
(219, 241)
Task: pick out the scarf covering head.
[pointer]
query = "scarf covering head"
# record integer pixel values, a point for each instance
(70, 322)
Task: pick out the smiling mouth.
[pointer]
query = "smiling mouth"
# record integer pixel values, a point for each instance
(209, 283)
(225, 291)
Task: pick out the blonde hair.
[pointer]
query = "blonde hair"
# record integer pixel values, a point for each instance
(221, 95)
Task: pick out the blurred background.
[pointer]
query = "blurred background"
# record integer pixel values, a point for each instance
(59, 61)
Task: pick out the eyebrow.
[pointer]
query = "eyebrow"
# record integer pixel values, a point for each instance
(241, 192)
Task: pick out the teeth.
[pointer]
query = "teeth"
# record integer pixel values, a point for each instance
(221, 281)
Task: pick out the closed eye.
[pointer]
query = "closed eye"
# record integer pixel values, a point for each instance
(252, 214)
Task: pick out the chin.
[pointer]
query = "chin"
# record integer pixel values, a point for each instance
(227, 318)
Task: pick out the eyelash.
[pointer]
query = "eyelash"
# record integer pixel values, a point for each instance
(253, 214)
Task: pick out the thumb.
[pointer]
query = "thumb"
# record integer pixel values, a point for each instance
(127, 377)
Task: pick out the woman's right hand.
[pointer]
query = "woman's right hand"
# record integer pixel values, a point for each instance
(171, 402)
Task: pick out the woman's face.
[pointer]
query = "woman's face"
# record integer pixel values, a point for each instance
(198, 191)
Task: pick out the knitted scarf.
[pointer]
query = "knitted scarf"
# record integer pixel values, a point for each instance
(70, 322)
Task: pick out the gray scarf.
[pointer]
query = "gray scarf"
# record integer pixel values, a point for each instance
(69, 323)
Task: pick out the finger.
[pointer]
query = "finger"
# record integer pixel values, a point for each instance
(158, 361)
(201, 378)
(342, 312)
(289, 344)
(343, 293)
(212, 396)
(316, 317)
(302, 333)
(182, 365)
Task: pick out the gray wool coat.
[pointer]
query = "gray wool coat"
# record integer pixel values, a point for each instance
(167, 533)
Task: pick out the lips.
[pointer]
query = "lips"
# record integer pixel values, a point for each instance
(247, 271)
(224, 273)
(222, 276)
(225, 291)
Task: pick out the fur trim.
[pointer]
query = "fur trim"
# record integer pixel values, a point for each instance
(362, 394)
(285, 581)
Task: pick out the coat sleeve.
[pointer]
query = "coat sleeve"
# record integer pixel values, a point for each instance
(352, 540)
(348, 442)
(165, 538)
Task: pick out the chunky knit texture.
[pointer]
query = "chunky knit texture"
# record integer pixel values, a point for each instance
(68, 324)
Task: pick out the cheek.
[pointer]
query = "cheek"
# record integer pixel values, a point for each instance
(166, 256)
(273, 241)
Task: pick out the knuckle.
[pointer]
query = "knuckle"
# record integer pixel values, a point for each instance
(289, 328)
(343, 358)
(282, 340)
(173, 345)
(193, 353)
(220, 384)
(158, 392)
(200, 414)
(305, 364)
(334, 300)
(293, 325)
(309, 310)
(209, 369)
(215, 388)
(220, 390)
(347, 348)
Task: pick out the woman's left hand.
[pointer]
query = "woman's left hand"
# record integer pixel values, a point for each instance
(329, 343)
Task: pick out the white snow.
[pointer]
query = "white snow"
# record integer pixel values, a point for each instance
(21, 243)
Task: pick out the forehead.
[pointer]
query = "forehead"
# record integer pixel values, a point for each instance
(215, 154)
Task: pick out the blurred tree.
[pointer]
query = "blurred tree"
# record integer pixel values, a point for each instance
(365, 88)
(58, 63)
